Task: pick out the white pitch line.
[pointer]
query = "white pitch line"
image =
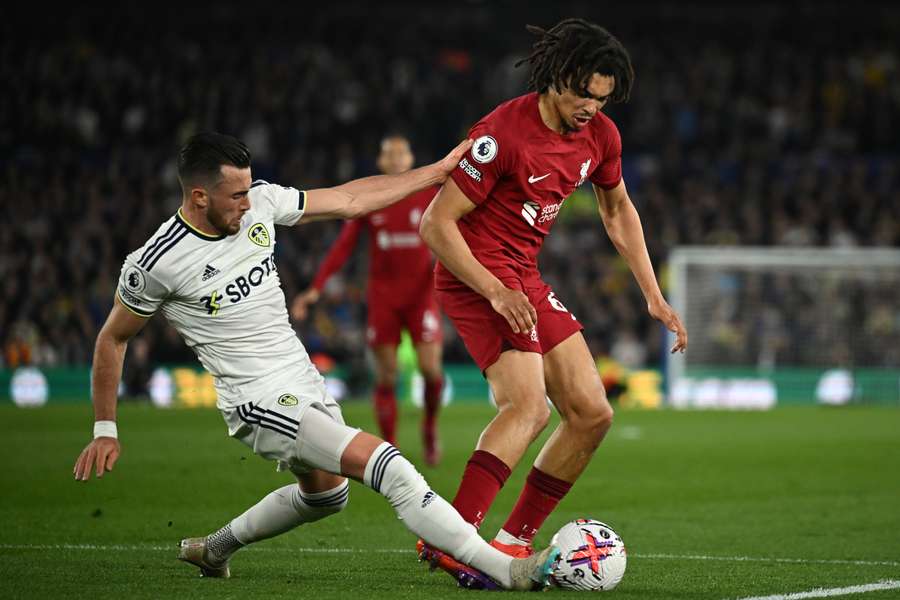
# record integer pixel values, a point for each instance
(174, 546)
(888, 584)
(812, 561)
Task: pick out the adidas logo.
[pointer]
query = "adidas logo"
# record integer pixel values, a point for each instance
(209, 272)
(429, 496)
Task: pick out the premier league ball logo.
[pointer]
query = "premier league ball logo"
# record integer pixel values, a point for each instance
(484, 150)
(134, 280)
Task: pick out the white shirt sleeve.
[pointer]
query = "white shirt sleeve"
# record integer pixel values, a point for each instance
(284, 204)
(140, 291)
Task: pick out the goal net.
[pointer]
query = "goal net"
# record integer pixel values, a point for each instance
(783, 325)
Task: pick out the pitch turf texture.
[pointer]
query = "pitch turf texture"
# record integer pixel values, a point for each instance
(710, 505)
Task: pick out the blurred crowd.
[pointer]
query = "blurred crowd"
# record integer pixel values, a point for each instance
(835, 316)
(749, 124)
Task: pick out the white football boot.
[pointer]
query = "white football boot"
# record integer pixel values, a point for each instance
(533, 573)
(195, 552)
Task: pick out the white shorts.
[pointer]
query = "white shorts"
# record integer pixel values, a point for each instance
(269, 423)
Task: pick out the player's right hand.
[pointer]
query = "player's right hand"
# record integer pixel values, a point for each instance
(300, 305)
(449, 162)
(100, 455)
(661, 311)
(515, 308)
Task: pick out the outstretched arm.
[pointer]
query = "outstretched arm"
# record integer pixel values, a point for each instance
(362, 196)
(624, 228)
(340, 251)
(106, 372)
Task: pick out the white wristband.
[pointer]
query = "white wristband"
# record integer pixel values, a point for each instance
(105, 429)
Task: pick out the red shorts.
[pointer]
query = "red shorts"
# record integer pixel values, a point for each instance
(385, 322)
(487, 334)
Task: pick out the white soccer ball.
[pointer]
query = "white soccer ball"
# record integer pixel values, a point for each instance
(591, 558)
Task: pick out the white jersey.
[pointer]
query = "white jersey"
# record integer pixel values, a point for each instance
(222, 293)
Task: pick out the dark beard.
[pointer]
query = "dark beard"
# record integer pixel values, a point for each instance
(221, 227)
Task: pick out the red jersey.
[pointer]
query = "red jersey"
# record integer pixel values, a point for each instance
(518, 173)
(400, 264)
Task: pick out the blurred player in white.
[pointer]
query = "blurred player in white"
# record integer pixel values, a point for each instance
(210, 270)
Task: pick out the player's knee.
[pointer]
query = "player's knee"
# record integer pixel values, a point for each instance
(604, 417)
(431, 373)
(333, 509)
(386, 375)
(591, 414)
(540, 417)
(320, 512)
(535, 413)
(337, 502)
(318, 506)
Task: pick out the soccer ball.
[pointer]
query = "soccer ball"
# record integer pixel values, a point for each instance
(591, 557)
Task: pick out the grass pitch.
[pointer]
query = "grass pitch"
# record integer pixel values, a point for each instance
(710, 505)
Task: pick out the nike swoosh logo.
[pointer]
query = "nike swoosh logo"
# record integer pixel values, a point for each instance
(534, 179)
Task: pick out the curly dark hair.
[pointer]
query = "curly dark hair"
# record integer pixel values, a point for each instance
(568, 54)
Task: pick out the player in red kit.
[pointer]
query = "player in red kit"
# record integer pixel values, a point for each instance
(400, 296)
(486, 227)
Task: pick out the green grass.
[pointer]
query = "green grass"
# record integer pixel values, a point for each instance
(807, 483)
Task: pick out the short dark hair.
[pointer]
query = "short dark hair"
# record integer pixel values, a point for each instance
(568, 54)
(203, 155)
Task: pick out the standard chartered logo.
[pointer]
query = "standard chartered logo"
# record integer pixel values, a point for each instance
(530, 211)
(533, 213)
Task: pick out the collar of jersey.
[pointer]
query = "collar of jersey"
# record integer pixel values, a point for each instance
(203, 236)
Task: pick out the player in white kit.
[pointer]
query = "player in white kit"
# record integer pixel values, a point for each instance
(210, 270)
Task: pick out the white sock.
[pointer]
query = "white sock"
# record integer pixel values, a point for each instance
(280, 511)
(429, 516)
(505, 537)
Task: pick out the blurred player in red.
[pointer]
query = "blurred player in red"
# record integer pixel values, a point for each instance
(486, 227)
(400, 295)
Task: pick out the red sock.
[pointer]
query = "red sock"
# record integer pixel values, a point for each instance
(539, 497)
(386, 412)
(485, 474)
(433, 391)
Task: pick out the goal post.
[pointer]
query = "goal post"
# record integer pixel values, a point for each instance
(785, 325)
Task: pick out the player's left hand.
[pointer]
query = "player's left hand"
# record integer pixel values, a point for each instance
(301, 303)
(102, 453)
(449, 162)
(661, 311)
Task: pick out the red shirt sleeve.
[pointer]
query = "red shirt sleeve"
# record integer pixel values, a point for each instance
(340, 251)
(608, 173)
(491, 156)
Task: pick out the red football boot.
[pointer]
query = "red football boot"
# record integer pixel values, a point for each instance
(465, 576)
